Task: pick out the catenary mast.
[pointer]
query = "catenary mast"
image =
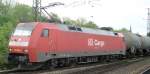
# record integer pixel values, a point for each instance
(36, 9)
(148, 22)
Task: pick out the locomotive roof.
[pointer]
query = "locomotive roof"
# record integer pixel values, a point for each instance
(74, 28)
(71, 28)
(29, 26)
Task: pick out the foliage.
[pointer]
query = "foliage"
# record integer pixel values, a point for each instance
(80, 22)
(107, 28)
(68, 21)
(54, 18)
(9, 16)
(148, 34)
(21, 13)
(122, 30)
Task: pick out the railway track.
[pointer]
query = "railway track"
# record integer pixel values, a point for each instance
(145, 70)
(100, 69)
(95, 68)
(9, 71)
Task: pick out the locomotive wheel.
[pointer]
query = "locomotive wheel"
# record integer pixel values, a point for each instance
(73, 62)
(61, 62)
(54, 63)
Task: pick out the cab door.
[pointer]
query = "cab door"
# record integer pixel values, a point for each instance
(44, 39)
(43, 45)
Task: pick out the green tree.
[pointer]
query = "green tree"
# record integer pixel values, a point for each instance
(90, 24)
(80, 22)
(21, 13)
(5, 32)
(54, 18)
(10, 15)
(122, 30)
(107, 28)
(68, 21)
(4, 8)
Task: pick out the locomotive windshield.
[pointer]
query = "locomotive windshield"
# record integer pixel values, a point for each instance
(24, 29)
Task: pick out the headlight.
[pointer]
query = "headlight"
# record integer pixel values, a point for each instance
(25, 50)
(10, 50)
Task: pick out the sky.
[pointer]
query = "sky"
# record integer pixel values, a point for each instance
(105, 13)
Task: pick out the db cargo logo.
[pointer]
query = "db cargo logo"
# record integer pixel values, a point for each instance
(94, 42)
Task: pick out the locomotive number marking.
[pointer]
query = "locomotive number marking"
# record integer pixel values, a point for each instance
(94, 42)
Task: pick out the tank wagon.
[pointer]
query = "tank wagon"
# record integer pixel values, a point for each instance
(145, 44)
(58, 44)
(136, 44)
(133, 42)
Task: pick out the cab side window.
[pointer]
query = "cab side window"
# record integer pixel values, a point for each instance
(45, 33)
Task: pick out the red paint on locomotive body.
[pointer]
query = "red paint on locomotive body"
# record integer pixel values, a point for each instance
(82, 42)
(49, 40)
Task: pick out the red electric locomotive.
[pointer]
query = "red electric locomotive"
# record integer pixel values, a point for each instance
(38, 42)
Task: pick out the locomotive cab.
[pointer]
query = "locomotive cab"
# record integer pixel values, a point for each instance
(19, 42)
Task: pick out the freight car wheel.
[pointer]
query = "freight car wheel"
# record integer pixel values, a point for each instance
(131, 52)
(145, 52)
(139, 52)
(54, 63)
